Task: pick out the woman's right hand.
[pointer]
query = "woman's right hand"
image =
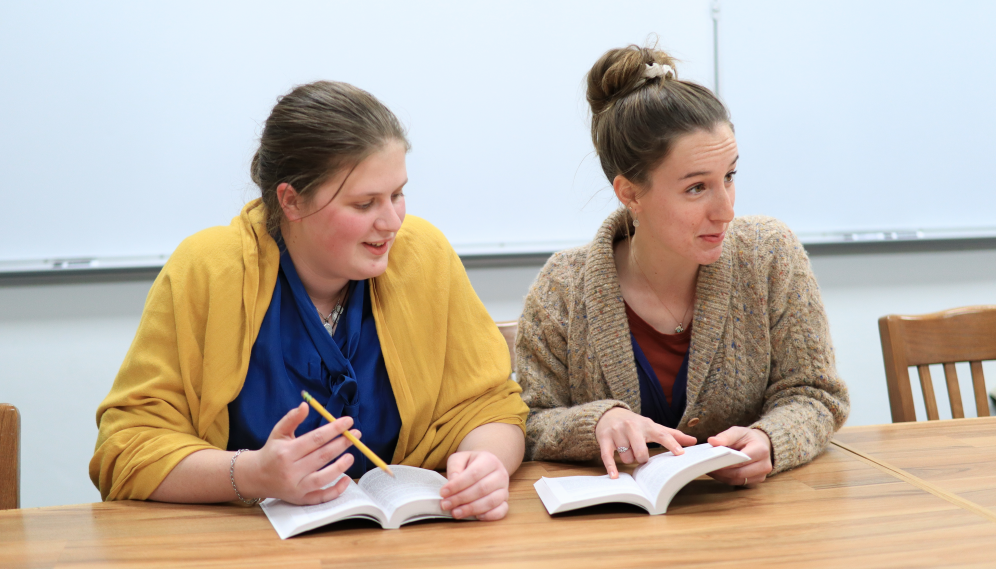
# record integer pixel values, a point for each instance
(620, 427)
(290, 468)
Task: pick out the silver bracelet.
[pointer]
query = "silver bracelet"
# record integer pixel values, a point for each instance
(231, 474)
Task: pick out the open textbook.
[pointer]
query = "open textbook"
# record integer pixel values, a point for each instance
(411, 496)
(651, 486)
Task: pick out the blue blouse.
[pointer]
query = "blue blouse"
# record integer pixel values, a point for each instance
(653, 404)
(294, 351)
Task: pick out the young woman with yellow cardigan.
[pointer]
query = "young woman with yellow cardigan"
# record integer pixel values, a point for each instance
(322, 285)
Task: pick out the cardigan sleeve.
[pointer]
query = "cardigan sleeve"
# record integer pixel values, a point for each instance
(448, 363)
(805, 401)
(146, 423)
(561, 423)
(188, 358)
(476, 387)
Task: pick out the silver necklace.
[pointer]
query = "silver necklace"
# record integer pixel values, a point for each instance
(679, 328)
(332, 320)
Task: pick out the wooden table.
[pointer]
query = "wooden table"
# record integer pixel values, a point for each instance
(955, 460)
(852, 507)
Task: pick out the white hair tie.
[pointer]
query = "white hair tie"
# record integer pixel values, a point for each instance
(657, 70)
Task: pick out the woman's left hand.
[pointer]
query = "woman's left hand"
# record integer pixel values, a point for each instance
(477, 486)
(755, 444)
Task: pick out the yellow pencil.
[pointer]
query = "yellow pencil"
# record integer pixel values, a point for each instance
(356, 442)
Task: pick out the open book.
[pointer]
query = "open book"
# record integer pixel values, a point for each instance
(651, 486)
(411, 496)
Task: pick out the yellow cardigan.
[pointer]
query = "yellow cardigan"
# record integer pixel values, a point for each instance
(448, 364)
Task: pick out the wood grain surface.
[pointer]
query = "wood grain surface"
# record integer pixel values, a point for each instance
(838, 511)
(956, 456)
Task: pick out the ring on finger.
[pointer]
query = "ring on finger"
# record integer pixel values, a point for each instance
(745, 481)
(621, 450)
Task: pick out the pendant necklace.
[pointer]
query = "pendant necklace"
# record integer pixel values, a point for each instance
(332, 319)
(679, 328)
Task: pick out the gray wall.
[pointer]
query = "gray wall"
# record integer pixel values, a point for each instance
(61, 344)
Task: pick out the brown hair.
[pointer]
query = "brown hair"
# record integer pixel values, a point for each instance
(636, 120)
(314, 132)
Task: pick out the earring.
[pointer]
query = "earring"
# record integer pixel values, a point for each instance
(636, 222)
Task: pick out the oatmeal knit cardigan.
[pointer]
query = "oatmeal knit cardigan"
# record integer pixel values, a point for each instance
(760, 352)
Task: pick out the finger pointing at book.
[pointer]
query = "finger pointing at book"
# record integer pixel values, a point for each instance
(620, 430)
(754, 443)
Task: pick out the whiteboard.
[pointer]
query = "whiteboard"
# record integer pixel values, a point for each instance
(129, 125)
(863, 116)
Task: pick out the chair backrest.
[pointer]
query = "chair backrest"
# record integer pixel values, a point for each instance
(10, 457)
(508, 330)
(958, 335)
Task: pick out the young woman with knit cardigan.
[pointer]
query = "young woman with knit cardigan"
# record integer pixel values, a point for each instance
(321, 285)
(679, 323)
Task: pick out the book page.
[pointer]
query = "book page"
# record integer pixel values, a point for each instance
(663, 475)
(571, 488)
(567, 493)
(353, 496)
(289, 519)
(654, 474)
(409, 484)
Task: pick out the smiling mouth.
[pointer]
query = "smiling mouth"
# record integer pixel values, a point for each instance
(378, 247)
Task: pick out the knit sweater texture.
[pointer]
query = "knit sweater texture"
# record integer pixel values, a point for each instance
(760, 353)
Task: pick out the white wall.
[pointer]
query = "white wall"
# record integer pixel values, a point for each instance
(61, 345)
(857, 290)
(171, 98)
(851, 114)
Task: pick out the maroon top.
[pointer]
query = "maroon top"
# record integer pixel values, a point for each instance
(665, 352)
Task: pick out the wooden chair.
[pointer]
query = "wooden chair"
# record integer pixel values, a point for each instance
(958, 335)
(10, 457)
(508, 330)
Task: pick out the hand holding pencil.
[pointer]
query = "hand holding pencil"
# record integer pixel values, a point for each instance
(356, 442)
(296, 469)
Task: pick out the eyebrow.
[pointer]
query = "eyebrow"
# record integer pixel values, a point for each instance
(374, 194)
(694, 174)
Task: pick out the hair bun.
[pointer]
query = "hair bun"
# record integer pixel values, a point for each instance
(621, 71)
(639, 108)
